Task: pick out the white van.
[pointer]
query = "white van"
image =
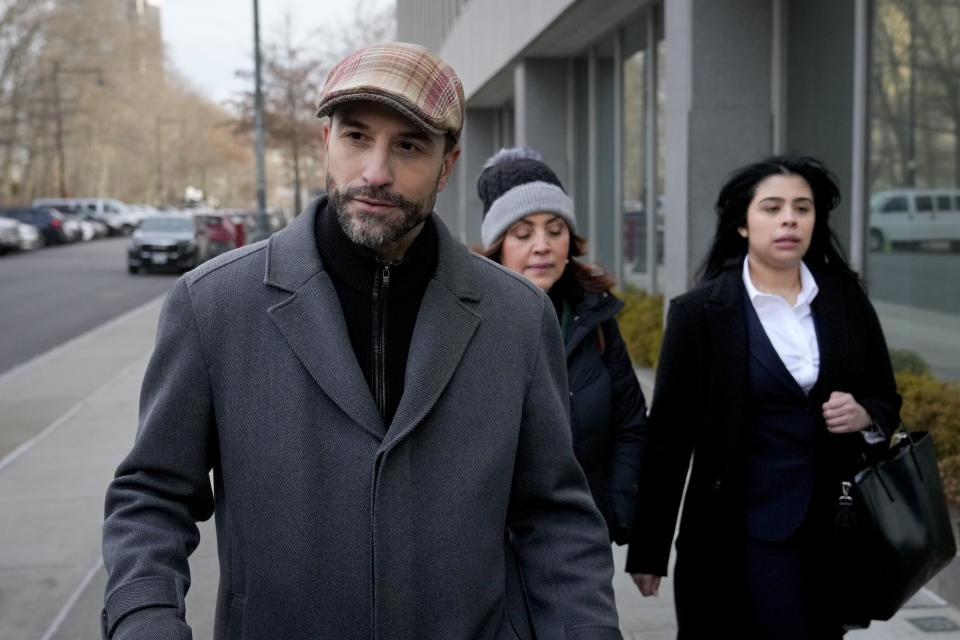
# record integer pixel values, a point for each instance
(118, 216)
(909, 217)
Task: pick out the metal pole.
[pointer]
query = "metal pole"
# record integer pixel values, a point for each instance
(61, 155)
(258, 114)
(912, 98)
(159, 134)
(651, 151)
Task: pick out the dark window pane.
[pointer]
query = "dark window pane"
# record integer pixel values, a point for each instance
(895, 205)
(924, 203)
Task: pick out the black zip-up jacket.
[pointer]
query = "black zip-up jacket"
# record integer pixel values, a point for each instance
(608, 413)
(380, 301)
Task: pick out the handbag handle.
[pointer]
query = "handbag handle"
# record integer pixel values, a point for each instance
(907, 433)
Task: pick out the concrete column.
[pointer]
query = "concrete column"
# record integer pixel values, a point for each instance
(479, 142)
(458, 205)
(449, 201)
(820, 94)
(718, 117)
(606, 208)
(540, 104)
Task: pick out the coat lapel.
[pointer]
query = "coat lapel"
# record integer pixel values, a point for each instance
(312, 322)
(727, 327)
(828, 311)
(445, 326)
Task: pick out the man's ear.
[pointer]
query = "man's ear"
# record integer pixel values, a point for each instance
(326, 135)
(449, 159)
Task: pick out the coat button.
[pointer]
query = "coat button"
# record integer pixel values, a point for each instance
(575, 318)
(717, 484)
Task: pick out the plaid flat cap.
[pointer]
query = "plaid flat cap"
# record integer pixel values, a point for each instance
(407, 77)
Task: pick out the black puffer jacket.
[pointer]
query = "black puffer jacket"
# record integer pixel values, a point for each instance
(607, 409)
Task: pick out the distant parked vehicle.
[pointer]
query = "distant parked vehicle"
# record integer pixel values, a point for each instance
(9, 235)
(30, 237)
(118, 216)
(100, 228)
(221, 235)
(165, 241)
(910, 217)
(51, 224)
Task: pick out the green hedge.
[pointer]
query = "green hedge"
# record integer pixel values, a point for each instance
(641, 323)
(931, 404)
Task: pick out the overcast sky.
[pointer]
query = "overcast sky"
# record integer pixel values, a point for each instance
(208, 40)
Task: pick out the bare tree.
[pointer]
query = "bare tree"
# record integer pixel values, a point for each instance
(293, 72)
(916, 92)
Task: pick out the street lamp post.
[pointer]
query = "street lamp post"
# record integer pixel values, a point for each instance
(258, 114)
(58, 113)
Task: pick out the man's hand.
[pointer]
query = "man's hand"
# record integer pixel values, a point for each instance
(648, 583)
(844, 414)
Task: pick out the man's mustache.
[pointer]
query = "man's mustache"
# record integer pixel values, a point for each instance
(380, 194)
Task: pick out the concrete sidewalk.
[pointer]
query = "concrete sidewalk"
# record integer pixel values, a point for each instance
(67, 419)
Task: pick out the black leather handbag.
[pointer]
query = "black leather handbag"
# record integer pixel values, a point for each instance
(893, 530)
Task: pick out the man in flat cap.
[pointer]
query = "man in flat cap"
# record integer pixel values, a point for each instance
(384, 414)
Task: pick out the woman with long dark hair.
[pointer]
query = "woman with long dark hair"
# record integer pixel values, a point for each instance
(529, 227)
(774, 376)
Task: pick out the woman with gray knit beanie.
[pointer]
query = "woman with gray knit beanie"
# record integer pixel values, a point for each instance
(529, 227)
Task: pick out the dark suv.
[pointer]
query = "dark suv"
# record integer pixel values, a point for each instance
(166, 241)
(49, 222)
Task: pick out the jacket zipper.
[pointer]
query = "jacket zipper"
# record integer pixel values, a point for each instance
(381, 293)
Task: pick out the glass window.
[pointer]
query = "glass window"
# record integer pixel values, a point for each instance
(914, 147)
(897, 204)
(643, 184)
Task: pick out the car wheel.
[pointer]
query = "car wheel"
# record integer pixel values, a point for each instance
(132, 269)
(876, 240)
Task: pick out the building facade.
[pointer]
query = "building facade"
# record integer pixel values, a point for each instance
(646, 106)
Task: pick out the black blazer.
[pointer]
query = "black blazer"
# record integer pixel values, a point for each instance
(700, 407)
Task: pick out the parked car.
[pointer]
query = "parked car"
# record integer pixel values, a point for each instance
(118, 216)
(100, 228)
(30, 237)
(9, 235)
(165, 241)
(221, 235)
(910, 217)
(51, 224)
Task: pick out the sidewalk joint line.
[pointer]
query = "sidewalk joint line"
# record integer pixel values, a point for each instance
(72, 600)
(71, 412)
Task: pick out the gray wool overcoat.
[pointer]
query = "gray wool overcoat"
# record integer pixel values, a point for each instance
(330, 525)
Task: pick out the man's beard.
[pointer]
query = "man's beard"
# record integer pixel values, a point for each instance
(372, 230)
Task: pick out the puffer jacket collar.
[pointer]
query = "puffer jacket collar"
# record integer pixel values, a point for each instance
(594, 309)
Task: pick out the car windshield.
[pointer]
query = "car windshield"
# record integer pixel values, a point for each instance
(166, 224)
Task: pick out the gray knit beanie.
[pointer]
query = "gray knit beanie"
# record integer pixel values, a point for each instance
(516, 183)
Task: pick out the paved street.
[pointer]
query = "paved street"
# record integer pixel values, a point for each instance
(52, 295)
